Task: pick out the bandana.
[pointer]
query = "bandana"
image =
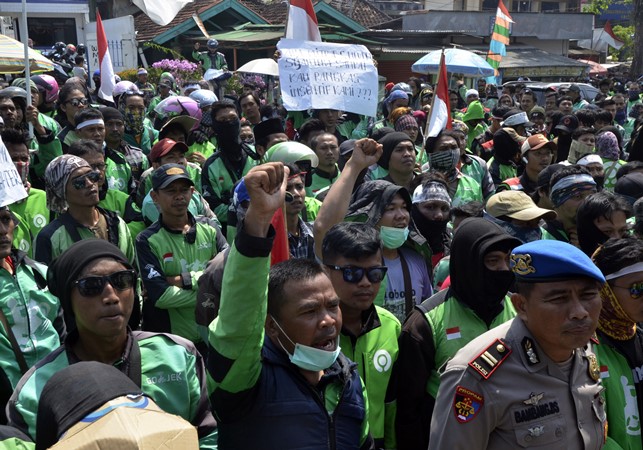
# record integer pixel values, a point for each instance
(431, 192)
(607, 146)
(133, 122)
(589, 159)
(569, 186)
(405, 122)
(613, 320)
(56, 177)
(577, 150)
(445, 162)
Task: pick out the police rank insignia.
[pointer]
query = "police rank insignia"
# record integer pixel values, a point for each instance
(490, 359)
(521, 264)
(530, 351)
(594, 370)
(466, 404)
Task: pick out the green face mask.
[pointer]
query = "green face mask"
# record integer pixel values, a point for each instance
(393, 237)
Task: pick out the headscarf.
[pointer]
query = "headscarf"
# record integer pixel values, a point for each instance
(567, 187)
(607, 146)
(57, 174)
(389, 142)
(613, 320)
(405, 122)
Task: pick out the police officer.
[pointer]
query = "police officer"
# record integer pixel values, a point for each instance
(533, 381)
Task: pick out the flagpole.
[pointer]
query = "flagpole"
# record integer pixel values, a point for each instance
(25, 39)
(428, 121)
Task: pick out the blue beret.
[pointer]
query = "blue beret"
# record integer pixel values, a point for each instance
(548, 260)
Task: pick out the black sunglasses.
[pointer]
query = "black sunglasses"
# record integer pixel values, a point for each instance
(91, 286)
(636, 289)
(75, 102)
(353, 274)
(80, 182)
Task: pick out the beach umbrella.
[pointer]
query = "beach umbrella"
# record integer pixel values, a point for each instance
(262, 66)
(12, 57)
(457, 61)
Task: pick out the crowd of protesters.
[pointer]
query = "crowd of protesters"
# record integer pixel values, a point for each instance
(302, 279)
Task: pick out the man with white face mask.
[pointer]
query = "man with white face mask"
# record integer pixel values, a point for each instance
(292, 388)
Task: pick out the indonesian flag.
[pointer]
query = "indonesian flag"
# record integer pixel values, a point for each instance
(104, 62)
(280, 247)
(453, 333)
(302, 21)
(610, 38)
(605, 373)
(440, 111)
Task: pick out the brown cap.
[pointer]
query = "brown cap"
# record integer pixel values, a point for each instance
(517, 205)
(165, 146)
(536, 142)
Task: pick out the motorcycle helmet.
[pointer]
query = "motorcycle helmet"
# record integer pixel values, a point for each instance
(71, 48)
(81, 49)
(213, 44)
(176, 106)
(204, 97)
(48, 87)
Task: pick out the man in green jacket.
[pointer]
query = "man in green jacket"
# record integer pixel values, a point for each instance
(280, 380)
(31, 312)
(172, 254)
(433, 333)
(353, 253)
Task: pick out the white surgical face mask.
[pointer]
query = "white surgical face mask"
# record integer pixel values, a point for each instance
(310, 358)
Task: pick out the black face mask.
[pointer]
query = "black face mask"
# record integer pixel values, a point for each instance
(497, 283)
(600, 181)
(228, 139)
(432, 230)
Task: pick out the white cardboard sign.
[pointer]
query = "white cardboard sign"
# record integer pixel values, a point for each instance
(11, 188)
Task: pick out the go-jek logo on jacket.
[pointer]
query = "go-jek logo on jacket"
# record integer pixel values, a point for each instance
(382, 360)
(165, 378)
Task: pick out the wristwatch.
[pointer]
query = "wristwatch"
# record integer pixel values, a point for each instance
(186, 280)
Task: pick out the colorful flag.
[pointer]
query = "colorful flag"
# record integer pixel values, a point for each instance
(280, 247)
(302, 21)
(440, 110)
(107, 81)
(499, 41)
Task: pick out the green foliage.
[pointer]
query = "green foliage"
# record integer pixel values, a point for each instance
(598, 6)
(625, 34)
(129, 75)
(160, 48)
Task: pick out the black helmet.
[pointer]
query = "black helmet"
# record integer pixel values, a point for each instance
(213, 43)
(60, 46)
(80, 49)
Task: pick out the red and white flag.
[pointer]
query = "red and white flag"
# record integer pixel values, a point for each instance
(302, 21)
(440, 111)
(610, 38)
(107, 82)
(453, 333)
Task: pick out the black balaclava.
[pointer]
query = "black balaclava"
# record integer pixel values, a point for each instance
(432, 230)
(479, 288)
(228, 139)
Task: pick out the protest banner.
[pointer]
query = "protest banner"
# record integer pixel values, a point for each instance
(11, 188)
(322, 75)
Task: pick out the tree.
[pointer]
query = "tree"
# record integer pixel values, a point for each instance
(598, 6)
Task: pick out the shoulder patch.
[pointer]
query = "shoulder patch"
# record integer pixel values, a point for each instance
(594, 339)
(466, 404)
(490, 358)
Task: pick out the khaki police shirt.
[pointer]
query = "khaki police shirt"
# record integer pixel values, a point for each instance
(502, 392)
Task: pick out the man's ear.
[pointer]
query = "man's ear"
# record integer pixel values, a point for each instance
(520, 304)
(272, 330)
(154, 195)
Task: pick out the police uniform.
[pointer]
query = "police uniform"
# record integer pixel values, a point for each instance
(501, 391)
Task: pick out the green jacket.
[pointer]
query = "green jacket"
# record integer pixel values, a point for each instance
(375, 351)
(166, 367)
(217, 181)
(468, 190)
(162, 253)
(320, 181)
(205, 59)
(236, 342)
(621, 403)
(33, 211)
(454, 325)
(61, 233)
(46, 148)
(32, 312)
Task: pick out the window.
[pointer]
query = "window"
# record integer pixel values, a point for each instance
(45, 32)
(521, 6)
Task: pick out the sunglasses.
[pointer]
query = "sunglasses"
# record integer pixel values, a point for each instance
(81, 182)
(76, 102)
(636, 289)
(353, 274)
(92, 286)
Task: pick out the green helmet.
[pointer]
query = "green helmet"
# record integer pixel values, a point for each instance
(291, 152)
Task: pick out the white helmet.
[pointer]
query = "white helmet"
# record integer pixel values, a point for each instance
(204, 97)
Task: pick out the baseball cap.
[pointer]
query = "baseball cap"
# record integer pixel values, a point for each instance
(567, 123)
(536, 142)
(517, 205)
(165, 146)
(168, 174)
(537, 111)
(550, 260)
(513, 118)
